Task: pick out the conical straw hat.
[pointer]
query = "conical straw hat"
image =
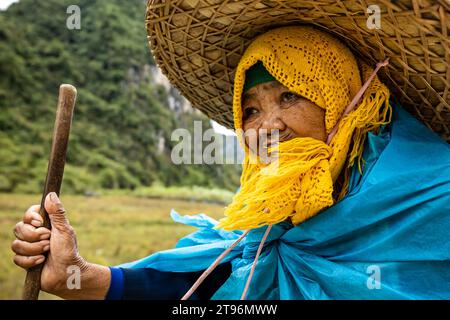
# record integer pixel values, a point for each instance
(198, 44)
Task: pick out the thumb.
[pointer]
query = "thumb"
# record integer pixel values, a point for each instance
(56, 211)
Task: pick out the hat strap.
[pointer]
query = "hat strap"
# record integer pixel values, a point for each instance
(212, 267)
(216, 262)
(244, 293)
(356, 98)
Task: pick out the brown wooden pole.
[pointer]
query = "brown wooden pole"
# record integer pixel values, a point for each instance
(57, 160)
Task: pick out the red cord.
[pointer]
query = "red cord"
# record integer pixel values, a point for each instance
(356, 98)
(244, 293)
(212, 267)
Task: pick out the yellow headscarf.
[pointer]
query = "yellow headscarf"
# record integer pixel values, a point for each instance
(315, 65)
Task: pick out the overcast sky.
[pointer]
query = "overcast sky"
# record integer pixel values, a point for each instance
(5, 3)
(221, 129)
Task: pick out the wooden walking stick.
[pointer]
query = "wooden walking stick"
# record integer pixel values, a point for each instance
(55, 170)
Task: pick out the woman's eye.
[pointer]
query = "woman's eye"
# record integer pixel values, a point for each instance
(288, 97)
(248, 112)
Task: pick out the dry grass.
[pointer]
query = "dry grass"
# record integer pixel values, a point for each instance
(110, 229)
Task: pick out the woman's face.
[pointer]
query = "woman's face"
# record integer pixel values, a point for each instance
(271, 106)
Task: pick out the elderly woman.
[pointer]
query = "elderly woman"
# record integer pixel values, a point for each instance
(354, 206)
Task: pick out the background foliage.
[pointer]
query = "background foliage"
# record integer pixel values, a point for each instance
(121, 116)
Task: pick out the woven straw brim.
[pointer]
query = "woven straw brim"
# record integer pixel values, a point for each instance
(198, 44)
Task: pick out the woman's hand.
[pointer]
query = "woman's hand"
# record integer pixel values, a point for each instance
(63, 260)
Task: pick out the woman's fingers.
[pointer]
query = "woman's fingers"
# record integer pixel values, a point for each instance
(24, 248)
(29, 233)
(33, 217)
(32, 239)
(28, 262)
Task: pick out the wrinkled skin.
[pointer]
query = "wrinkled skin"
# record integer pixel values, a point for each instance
(60, 243)
(271, 106)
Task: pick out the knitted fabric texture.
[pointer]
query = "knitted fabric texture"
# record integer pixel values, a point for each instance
(315, 65)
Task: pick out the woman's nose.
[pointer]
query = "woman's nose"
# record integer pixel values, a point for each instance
(273, 121)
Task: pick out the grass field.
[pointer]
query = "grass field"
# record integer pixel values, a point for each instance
(111, 229)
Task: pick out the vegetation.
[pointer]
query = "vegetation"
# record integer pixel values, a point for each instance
(122, 125)
(111, 230)
(194, 193)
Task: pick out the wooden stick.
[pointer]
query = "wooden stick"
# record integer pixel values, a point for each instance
(55, 170)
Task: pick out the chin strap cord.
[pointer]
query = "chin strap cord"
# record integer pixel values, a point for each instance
(216, 262)
(356, 98)
(244, 293)
(212, 267)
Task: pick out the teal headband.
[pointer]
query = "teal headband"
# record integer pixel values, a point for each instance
(257, 74)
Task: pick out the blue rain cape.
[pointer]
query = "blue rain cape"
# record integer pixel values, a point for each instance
(389, 238)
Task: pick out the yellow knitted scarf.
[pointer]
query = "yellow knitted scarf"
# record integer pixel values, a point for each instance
(315, 65)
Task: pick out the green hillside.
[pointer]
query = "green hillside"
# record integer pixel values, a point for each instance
(122, 115)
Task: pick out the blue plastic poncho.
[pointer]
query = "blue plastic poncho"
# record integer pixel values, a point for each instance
(389, 238)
